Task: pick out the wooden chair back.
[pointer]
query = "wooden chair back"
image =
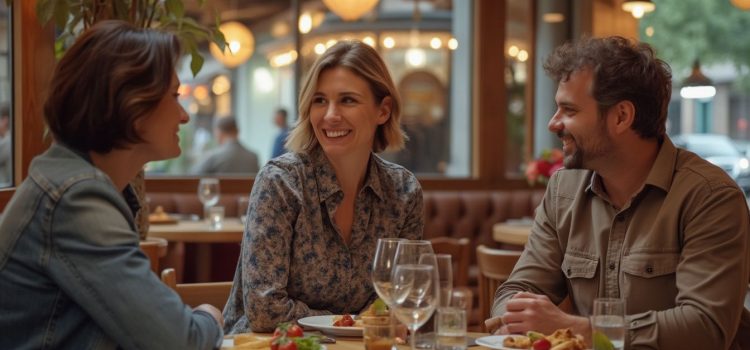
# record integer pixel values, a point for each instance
(460, 251)
(194, 294)
(154, 248)
(495, 266)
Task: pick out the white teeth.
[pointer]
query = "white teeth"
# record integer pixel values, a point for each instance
(338, 133)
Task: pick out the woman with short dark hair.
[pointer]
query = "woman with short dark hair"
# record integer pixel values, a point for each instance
(72, 275)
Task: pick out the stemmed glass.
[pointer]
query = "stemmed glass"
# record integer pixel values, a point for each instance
(208, 193)
(415, 295)
(418, 252)
(382, 267)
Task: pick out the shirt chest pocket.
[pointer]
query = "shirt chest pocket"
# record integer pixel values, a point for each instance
(650, 279)
(580, 270)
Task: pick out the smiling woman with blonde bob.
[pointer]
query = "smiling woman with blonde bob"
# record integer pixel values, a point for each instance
(316, 213)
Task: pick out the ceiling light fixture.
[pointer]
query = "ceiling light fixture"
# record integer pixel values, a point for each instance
(741, 4)
(350, 10)
(697, 85)
(638, 7)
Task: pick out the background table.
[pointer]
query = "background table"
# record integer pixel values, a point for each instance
(511, 233)
(200, 233)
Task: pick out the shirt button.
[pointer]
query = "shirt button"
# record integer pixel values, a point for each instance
(612, 266)
(649, 269)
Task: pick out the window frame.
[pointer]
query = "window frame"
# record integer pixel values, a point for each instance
(33, 64)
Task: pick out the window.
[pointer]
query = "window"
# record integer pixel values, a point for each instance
(6, 97)
(427, 46)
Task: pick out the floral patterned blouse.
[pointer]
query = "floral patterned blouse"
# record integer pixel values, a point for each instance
(294, 262)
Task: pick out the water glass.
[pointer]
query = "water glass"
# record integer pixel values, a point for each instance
(208, 193)
(608, 323)
(379, 335)
(450, 324)
(215, 217)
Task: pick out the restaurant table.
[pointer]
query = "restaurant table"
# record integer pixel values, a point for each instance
(356, 343)
(198, 232)
(516, 233)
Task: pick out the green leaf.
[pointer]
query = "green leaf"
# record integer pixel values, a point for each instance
(196, 62)
(44, 11)
(219, 39)
(61, 13)
(176, 8)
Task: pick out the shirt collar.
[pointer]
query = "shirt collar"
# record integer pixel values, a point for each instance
(328, 184)
(660, 175)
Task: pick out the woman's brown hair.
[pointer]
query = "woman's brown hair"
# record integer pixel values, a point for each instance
(114, 74)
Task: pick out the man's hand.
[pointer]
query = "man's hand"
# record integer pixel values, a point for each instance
(534, 312)
(213, 311)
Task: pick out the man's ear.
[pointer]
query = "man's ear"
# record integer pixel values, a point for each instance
(623, 114)
(385, 110)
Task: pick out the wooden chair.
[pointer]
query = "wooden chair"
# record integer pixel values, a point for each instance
(194, 294)
(460, 252)
(154, 248)
(495, 266)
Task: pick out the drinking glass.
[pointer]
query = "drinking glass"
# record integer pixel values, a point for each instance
(415, 295)
(215, 217)
(419, 252)
(208, 193)
(382, 267)
(608, 323)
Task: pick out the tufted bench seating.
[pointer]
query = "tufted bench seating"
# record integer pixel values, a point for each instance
(457, 214)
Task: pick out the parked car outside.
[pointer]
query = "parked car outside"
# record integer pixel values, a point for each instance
(720, 151)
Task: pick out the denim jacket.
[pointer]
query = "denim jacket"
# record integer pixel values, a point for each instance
(72, 275)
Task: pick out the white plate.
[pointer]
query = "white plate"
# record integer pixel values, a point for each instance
(324, 324)
(228, 343)
(493, 342)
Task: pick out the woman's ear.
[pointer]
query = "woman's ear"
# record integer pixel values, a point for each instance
(385, 110)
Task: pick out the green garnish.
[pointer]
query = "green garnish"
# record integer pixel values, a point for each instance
(601, 342)
(310, 342)
(380, 308)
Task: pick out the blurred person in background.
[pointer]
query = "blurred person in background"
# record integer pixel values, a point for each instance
(230, 157)
(280, 119)
(317, 212)
(72, 274)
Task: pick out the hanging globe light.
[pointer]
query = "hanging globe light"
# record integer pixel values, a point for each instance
(741, 4)
(240, 44)
(350, 10)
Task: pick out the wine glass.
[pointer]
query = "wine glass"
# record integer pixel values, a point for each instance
(208, 193)
(382, 267)
(418, 252)
(415, 296)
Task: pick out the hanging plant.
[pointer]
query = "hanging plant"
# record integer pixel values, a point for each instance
(73, 16)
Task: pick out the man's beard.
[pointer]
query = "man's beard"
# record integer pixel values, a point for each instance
(582, 158)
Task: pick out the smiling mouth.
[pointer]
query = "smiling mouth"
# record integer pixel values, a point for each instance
(336, 133)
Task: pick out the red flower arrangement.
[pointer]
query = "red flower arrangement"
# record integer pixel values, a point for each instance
(541, 169)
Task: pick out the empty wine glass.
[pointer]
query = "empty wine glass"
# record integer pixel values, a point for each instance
(208, 193)
(415, 296)
(382, 267)
(419, 252)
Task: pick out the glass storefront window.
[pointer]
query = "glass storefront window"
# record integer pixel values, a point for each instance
(427, 48)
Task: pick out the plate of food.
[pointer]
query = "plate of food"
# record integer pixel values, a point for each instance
(246, 341)
(325, 324)
(560, 339)
(160, 217)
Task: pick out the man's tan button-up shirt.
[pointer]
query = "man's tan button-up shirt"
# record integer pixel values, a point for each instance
(677, 252)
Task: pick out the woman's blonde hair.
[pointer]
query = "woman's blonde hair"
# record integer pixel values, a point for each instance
(365, 62)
